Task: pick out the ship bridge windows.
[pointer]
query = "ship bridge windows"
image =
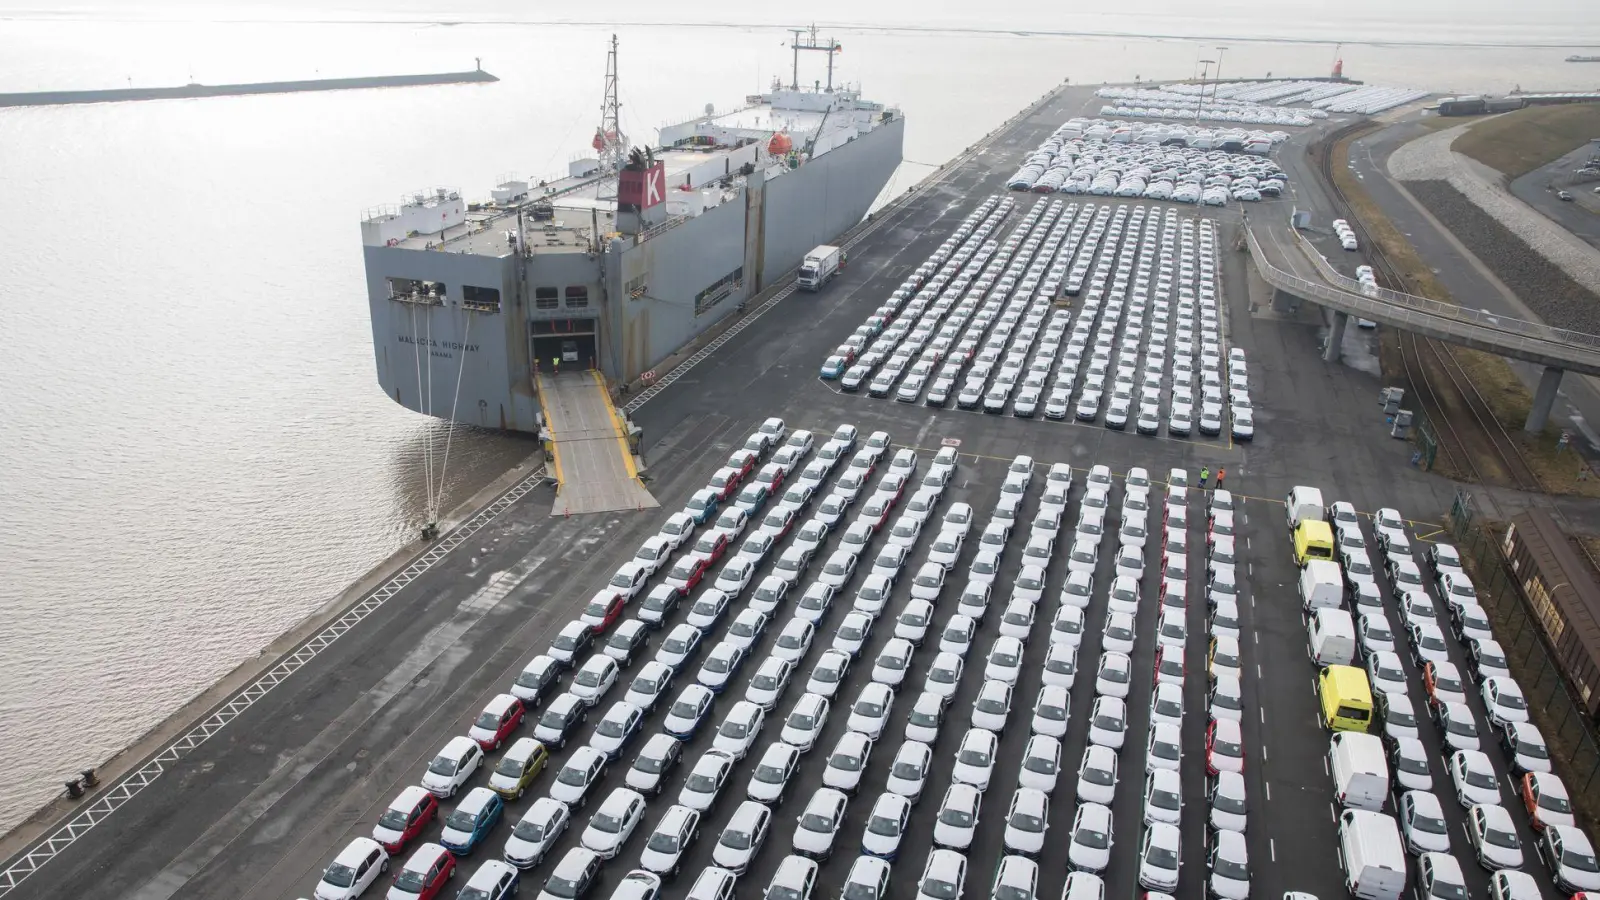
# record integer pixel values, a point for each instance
(410, 290)
(577, 297)
(481, 299)
(546, 298)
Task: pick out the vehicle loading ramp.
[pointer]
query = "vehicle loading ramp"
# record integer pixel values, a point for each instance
(587, 442)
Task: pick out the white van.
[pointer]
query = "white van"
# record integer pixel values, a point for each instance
(1374, 858)
(1360, 772)
(1321, 585)
(1304, 504)
(1333, 637)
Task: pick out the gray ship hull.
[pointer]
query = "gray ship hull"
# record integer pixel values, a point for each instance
(624, 308)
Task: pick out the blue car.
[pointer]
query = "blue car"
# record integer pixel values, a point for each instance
(751, 497)
(833, 367)
(688, 711)
(702, 507)
(471, 821)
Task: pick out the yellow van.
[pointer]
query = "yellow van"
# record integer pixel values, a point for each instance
(1346, 698)
(1312, 540)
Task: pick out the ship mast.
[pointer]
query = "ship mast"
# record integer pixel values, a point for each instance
(829, 47)
(609, 141)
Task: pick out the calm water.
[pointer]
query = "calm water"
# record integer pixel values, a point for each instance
(196, 454)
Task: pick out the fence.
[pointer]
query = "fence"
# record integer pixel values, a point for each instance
(1574, 750)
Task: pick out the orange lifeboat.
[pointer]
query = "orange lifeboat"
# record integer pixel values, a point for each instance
(780, 144)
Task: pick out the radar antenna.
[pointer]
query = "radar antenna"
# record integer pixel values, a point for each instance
(810, 42)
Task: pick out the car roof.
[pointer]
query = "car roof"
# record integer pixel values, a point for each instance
(1230, 844)
(424, 857)
(488, 874)
(356, 851)
(459, 746)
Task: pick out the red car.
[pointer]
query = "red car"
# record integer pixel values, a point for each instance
(603, 611)
(405, 818)
(687, 572)
(426, 873)
(712, 545)
(497, 721)
(778, 522)
(771, 475)
(893, 484)
(725, 482)
(743, 461)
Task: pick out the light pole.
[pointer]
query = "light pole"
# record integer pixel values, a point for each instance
(1218, 82)
(1205, 69)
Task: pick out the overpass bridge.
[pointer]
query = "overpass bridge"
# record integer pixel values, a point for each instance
(1291, 264)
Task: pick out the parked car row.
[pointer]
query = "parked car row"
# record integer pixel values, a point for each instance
(1392, 768)
(1176, 102)
(1155, 162)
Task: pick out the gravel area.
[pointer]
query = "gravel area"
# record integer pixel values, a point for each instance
(1430, 159)
(1551, 293)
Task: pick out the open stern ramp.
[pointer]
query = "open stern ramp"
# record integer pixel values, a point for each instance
(588, 446)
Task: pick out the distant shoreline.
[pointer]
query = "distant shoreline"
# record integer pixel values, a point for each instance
(193, 91)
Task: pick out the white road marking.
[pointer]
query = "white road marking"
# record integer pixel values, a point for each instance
(1263, 711)
(1268, 786)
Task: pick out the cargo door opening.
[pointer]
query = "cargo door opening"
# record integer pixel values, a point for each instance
(565, 344)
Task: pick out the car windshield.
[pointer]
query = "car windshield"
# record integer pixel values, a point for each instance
(846, 761)
(701, 783)
(339, 875)
(509, 766)
(817, 822)
(939, 890)
(869, 709)
(738, 840)
(1231, 869)
(574, 776)
(461, 820)
(675, 645)
(802, 721)
(1161, 857)
(956, 816)
(1506, 839)
(1577, 859)
(984, 565)
(718, 664)
(1223, 747)
(654, 603)
(857, 890)
(735, 729)
(1052, 712)
(557, 886)
(1026, 821)
(663, 842)
(1120, 632)
(442, 765)
(1463, 726)
(1390, 675)
(764, 682)
(412, 881)
(397, 819)
(1449, 891)
(851, 632)
(587, 677)
(552, 718)
(922, 717)
(1509, 701)
(1003, 658)
(1094, 840)
(1428, 824)
(1481, 779)
(1416, 765)
(612, 728)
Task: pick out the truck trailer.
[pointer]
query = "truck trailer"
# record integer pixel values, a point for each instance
(819, 267)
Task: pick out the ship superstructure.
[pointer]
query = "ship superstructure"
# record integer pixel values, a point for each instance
(631, 255)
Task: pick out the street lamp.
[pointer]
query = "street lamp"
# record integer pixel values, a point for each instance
(1205, 69)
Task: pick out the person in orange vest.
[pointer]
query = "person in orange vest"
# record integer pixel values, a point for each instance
(1221, 474)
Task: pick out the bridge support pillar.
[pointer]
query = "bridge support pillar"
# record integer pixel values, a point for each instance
(1544, 397)
(1284, 302)
(1335, 344)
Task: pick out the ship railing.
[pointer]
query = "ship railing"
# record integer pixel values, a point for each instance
(481, 305)
(418, 298)
(655, 230)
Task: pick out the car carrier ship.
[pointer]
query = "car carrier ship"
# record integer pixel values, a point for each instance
(481, 311)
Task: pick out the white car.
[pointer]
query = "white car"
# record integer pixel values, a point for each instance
(1004, 662)
(805, 721)
(1163, 797)
(819, 823)
(735, 576)
(769, 682)
(1078, 590)
(975, 758)
(1166, 705)
(654, 764)
(706, 780)
(992, 706)
(619, 725)
(1569, 856)
(908, 774)
(914, 620)
(1114, 675)
(1171, 628)
(868, 879)
(1503, 701)
(1159, 856)
(927, 714)
(1061, 665)
(679, 646)
(1386, 673)
(847, 762)
(829, 672)
(721, 666)
(747, 628)
(1494, 837)
(536, 832)
(1229, 862)
(838, 568)
(1474, 779)
(357, 866)
(886, 825)
(1090, 847)
(1051, 711)
(852, 634)
(769, 783)
(1164, 748)
(1525, 745)
(614, 822)
(946, 549)
(928, 581)
(740, 728)
(1227, 800)
(768, 595)
(957, 634)
(687, 711)
(677, 530)
(814, 603)
(873, 595)
(578, 775)
(594, 678)
(956, 824)
(869, 715)
(1017, 620)
(1119, 634)
(1027, 820)
(794, 640)
(985, 568)
(1108, 722)
(453, 767)
(1097, 775)
(650, 686)
(743, 836)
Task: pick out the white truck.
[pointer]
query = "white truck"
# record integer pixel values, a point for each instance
(1374, 857)
(1333, 637)
(1360, 771)
(1304, 504)
(1321, 585)
(819, 267)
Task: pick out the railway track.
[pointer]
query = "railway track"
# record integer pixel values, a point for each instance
(1471, 438)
